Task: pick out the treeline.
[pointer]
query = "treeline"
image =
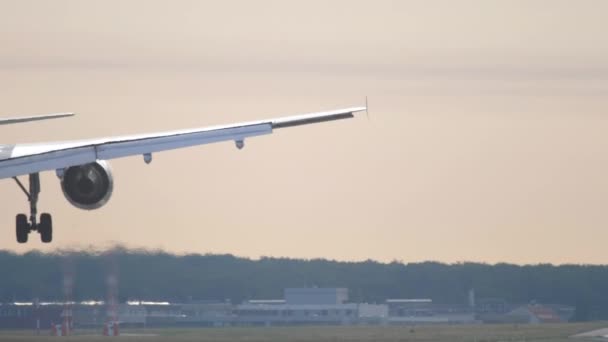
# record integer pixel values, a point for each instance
(154, 275)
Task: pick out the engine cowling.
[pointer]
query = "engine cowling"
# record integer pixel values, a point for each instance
(88, 186)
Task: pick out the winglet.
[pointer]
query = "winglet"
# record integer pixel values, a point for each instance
(9, 121)
(366, 108)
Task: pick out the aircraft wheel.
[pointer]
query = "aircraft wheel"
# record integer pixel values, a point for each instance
(23, 228)
(46, 228)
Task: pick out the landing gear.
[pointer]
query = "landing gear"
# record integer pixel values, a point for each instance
(23, 227)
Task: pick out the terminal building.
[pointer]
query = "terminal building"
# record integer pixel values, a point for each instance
(316, 295)
(424, 311)
(299, 306)
(319, 306)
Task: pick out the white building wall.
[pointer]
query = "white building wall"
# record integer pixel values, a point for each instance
(373, 310)
(314, 295)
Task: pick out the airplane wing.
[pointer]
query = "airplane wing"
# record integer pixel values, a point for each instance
(21, 159)
(9, 121)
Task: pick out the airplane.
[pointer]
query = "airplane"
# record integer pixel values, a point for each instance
(83, 169)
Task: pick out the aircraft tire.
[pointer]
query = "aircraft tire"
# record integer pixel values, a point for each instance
(22, 228)
(46, 228)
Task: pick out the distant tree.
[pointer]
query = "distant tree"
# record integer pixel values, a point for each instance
(157, 275)
(582, 311)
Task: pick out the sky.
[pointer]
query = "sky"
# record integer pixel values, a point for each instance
(486, 138)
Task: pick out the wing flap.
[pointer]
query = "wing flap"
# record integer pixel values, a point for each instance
(133, 147)
(47, 161)
(71, 154)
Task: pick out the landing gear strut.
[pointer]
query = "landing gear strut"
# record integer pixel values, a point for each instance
(23, 227)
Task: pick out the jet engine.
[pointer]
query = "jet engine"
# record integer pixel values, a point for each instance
(88, 186)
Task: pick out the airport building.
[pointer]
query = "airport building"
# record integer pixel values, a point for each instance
(320, 306)
(299, 306)
(316, 295)
(424, 311)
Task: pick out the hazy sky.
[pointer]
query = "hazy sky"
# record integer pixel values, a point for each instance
(487, 139)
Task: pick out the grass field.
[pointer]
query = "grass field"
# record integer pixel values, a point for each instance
(479, 333)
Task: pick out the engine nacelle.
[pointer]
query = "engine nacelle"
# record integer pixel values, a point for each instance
(88, 186)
